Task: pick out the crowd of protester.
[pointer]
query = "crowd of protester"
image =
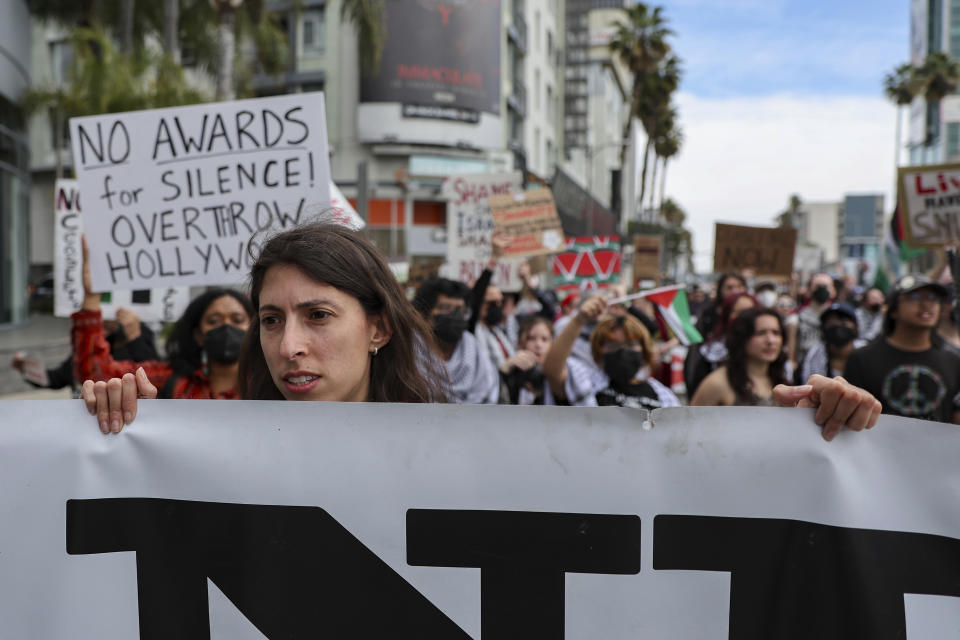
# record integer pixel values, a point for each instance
(327, 320)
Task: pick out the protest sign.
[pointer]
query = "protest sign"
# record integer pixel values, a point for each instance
(530, 220)
(646, 257)
(768, 251)
(164, 304)
(177, 196)
(470, 227)
(930, 204)
(588, 262)
(247, 520)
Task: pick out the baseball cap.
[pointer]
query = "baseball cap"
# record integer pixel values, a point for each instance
(906, 284)
(840, 309)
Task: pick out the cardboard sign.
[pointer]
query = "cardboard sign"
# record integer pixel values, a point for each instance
(186, 195)
(164, 304)
(470, 227)
(530, 220)
(646, 257)
(768, 251)
(930, 204)
(589, 262)
(250, 520)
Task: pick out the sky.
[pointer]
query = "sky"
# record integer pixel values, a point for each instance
(781, 97)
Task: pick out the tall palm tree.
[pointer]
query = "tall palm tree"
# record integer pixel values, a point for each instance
(938, 77)
(901, 87)
(641, 44)
(368, 18)
(666, 148)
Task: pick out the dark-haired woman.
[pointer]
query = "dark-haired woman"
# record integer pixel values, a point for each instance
(704, 358)
(332, 323)
(202, 350)
(754, 366)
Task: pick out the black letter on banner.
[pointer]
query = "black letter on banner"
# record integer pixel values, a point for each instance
(523, 557)
(294, 572)
(793, 579)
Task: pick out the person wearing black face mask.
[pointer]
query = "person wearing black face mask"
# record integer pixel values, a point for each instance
(623, 352)
(473, 378)
(870, 314)
(839, 337)
(803, 334)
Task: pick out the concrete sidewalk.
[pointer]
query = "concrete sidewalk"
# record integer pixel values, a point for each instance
(44, 337)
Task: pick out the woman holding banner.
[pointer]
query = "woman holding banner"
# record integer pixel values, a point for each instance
(332, 324)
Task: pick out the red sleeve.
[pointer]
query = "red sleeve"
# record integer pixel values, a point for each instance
(91, 353)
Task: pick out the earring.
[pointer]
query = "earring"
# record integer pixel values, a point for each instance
(375, 351)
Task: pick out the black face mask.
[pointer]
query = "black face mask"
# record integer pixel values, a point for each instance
(820, 295)
(449, 327)
(223, 344)
(622, 365)
(839, 335)
(494, 315)
(874, 308)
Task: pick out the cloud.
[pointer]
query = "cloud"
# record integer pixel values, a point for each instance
(743, 157)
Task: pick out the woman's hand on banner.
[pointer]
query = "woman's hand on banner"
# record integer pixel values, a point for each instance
(114, 402)
(839, 404)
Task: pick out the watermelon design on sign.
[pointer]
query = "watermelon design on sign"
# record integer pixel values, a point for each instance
(587, 262)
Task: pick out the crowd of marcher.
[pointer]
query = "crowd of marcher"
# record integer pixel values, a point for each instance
(327, 320)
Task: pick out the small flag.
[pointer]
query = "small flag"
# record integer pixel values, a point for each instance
(904, 251)
(672, 304)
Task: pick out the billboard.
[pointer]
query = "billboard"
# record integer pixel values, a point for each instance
(439, 78)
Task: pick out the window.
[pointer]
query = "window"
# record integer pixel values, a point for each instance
(550, 52)
(551, 161)
(536, 30)
(551, 105)
(953, 140)
(61, 57)
(312, 32)
(536, 89)
(536, 149)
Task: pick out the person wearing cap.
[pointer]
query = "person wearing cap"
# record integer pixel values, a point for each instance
(905, 369)
(838, 339)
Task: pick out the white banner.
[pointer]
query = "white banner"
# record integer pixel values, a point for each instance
(248, 520)
(174, 196)
(470, 227)
(151, 305)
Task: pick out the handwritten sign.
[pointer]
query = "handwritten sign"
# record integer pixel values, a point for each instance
(530, 219)
(646, 257)
(164, 304)
(470, 227)
(178, 196)
(768, 251)
(930, 202)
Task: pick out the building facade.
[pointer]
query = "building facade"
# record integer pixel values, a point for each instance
(14, 168)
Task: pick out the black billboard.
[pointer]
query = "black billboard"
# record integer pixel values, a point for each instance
(440, 57)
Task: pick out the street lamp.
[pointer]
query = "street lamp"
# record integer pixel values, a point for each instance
(591, 152)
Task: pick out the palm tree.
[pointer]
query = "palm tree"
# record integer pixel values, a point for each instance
(901, 86)
(787, 217)
(641, 44)
(667, 147)
(368, 17)
(937, 77)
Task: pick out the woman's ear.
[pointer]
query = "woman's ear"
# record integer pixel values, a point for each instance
(380, 332)
(198, 336)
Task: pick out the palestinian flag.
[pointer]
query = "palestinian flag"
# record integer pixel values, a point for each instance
(672, 307)
(898, 238)
(587, 263)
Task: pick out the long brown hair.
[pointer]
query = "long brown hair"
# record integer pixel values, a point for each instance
(406, 369)
(741, 330)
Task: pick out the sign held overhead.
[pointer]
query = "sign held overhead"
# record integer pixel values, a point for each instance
(930, 201)
(177, 196)
(768, 251)
(530, 220)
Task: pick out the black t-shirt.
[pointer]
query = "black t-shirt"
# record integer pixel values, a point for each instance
(913, 384)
